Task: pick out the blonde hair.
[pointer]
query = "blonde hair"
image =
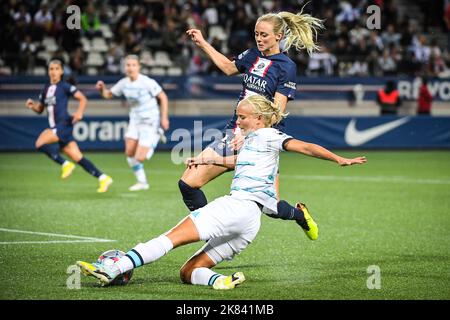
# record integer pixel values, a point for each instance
(299, 30)
(133, 57)
(270, 111)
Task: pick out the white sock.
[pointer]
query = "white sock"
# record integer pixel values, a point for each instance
(103, 176)
(204, 276)
(138, 169)
(150, 153)
(145, 253)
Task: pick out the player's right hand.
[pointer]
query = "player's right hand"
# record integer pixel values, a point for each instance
(196, 36)
(100, 85)
(29, 103)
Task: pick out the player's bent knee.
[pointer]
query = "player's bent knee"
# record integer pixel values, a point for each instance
(193, 180)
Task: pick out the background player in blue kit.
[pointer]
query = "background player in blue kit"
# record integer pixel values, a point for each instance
(55, 98)
(266, 71)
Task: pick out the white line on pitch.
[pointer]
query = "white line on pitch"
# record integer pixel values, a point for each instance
(84, 239)
(52, 241)
(381, 179)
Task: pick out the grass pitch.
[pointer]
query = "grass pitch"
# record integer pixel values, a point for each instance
(392, 213)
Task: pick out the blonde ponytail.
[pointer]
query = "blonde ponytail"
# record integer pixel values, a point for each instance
(299, 30)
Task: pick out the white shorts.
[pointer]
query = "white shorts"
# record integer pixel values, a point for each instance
(228, 224)
(145, 131)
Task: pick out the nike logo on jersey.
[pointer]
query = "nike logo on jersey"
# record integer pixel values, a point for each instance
(355, 137)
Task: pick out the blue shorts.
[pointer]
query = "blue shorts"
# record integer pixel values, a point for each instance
(64, 133)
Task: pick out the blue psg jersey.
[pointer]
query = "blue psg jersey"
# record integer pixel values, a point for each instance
(55, 98)
(265, 75)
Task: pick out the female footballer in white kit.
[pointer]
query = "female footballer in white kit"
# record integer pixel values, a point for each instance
(145, 98)
(229, 223)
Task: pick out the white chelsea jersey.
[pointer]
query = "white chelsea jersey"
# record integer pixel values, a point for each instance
(140, 95)
(257, 167)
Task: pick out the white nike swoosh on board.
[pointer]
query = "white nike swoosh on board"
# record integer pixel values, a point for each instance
(355, 137)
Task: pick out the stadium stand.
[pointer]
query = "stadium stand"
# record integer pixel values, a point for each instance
(413, 39)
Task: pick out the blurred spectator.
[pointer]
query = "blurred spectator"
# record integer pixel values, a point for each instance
(211, 15)
(170, 39)
(240, 32)
(348, 14)
(322, 63)
(90, 22)
(387, 63)
(388, 98)
(197, 65)
(376, 42)
(421, 53)
(43, 21)
(22, 21)
(436, 64)
(132, 46)
(77, 59)
(425, 99)
(358, 34)
(390, 36)
(447, 23)
(27, 53)
(113, 59)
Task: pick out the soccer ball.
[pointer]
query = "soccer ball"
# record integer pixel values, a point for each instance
(108, 258)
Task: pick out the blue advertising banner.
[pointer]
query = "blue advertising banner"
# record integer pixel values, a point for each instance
(107, 133)
(222, 87)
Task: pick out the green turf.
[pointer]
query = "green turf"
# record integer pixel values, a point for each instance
(393, 212)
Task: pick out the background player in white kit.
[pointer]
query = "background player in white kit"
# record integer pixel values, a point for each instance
(145, 98)
(231, 222)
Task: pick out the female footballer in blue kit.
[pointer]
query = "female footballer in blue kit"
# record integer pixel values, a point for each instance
(54, 98)
(229, 223)
(266, 71)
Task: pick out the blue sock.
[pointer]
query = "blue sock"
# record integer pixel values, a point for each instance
(52, 153)
(288, 212)
(89, 167)
(192, 197)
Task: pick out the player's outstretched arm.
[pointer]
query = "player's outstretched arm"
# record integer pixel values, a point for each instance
(227, 162)
(105, 92)
(78, 115)
(36, 107)
(317, 151)
(223, 63)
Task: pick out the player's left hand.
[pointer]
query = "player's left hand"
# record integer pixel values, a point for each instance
(348, 162)
(165, 124)
(77, 116)
(237, 142)
(196, 161)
